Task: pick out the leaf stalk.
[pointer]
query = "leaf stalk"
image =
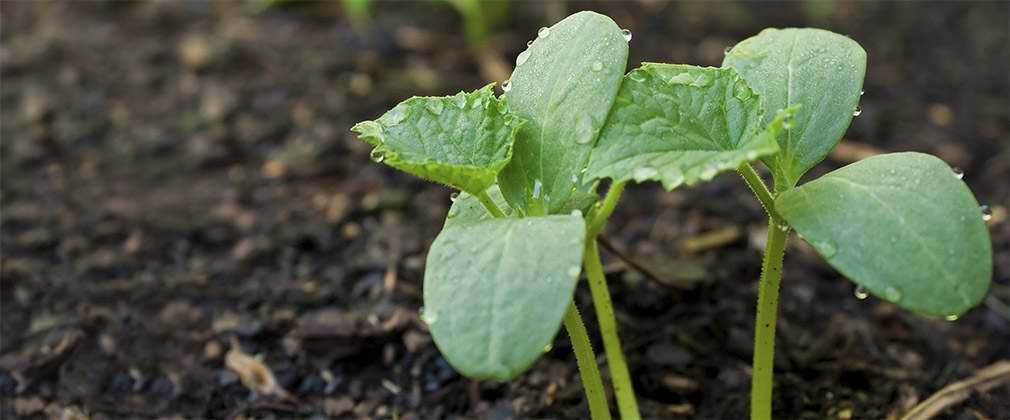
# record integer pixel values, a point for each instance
(764, 327)
(584, 357)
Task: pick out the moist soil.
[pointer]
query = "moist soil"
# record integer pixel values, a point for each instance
(179, 178)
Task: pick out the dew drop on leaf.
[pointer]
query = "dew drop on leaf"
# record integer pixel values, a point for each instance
(544, 32)
(460, 100)
(643, 173)
(537, 185)
(783, 225)
(453, 212)
(523, 56)
(577, 213)
(727, 50)
(548, 347)
(574, 270)
(584, 132)
(575, 178)
(529, 43)
(958, 173)
(825, 247)
(434, 106)
(788, 122)
(626, 33)
(637, 75)
(857, 111)
(860, 292)
(377, 156)
(952, 317)
(395, 116)
(506, 86)
(986, 213)
(453, 196)
(892, 294)
(861, 92)
(597, 66)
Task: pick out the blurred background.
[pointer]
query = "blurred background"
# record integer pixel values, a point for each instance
(180, 191)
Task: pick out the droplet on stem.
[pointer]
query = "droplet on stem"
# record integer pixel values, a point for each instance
(783, 225)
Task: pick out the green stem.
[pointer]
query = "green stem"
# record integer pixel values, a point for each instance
(609, 202)
(591, 381)
(489, 204)
(623, 391)
(764, 327)
(758, 187)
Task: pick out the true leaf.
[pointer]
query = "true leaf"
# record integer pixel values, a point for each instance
(496, 290)
(678, 124)
(901, 225)
(462, 141)
(819, 69)
(563, 86)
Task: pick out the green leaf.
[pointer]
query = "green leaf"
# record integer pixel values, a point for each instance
(678, 124)
(819, 69)
(563, 86)
(462, 141)
(901, 225)
(496, 290)
(467, 209)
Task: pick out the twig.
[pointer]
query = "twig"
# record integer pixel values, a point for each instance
(634, 265)
(983, 380)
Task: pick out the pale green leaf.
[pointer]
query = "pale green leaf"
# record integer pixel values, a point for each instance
(821, 70)
(901, 225)
(496, 290)
(679, 124)
(462, 141)
(563, 86)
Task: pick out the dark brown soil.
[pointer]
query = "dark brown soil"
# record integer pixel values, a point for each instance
(178, 173)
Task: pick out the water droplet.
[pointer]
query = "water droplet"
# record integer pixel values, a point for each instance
(575, 178)
(577, 213)
(584, 132)
(395, 116)
(751, 155)
(788, 122)
(861, 92)
(523, 56)
(860, 292)
(952, 317)
(958, 173)
(643, 173)
(626, 33)
(892, 294)
(543, 32)
(453, 211)
(460, 100)
(548, 347)
(420, 313)
(574, 270)
(637, 75)
(857, 111)
(529, 43)
(506, 86)
(986, 213)
(727, 50)
(825, 247)
(454, 196)
(377, 156)
(429, 317)
(597, 66)
(783, 225)
(537, 185)
(434, 106)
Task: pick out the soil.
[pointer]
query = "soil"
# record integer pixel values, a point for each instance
(179, 174)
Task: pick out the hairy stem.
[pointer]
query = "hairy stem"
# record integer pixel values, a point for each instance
(626, 404)
(764, 327)
(591, 381)
(609, 202)
(489, 204)
(758, 187)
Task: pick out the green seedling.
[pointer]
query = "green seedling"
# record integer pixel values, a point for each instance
(500, 276)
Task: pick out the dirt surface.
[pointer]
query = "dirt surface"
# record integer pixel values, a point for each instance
(179, 174)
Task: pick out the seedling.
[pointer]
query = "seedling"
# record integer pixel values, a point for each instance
(500, 276)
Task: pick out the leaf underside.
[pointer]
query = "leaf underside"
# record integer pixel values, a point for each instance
(678, 124)
(821, 70)
(563, 86)
(462, 141)
(496, 290)
(902, 226)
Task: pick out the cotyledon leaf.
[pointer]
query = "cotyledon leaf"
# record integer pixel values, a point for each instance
(901, 225)
(678, 124)
(563, 86)
(821, 70)
(462, 141)
(496, 290)
(467, 209)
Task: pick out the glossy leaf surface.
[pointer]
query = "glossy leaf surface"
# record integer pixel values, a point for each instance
(903, 226)
(462, 141)
(563, 86)
(820, 70)
(678, 124)
(496, 290)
